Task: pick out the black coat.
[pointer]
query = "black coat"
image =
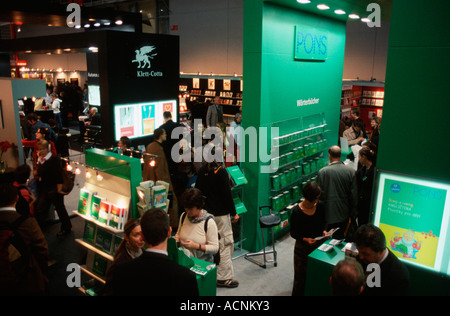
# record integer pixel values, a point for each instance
(153, 274)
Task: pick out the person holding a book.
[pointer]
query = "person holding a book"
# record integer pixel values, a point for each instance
(307, 223)
(197, 230)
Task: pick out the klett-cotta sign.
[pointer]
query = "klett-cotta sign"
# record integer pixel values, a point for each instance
(310, 44)
(142, 59)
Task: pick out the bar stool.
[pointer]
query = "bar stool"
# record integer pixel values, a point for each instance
(267, 221)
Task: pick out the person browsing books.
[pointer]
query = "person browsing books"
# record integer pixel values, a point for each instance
(194, 238)
(307, 223)
(153, 273)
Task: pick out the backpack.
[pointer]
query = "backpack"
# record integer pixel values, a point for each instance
(217, 255)
(68, 178)
(22, 205)
(14, 254)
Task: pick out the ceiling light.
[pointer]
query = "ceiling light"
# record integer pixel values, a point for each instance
(339, 11)
(107, 23)
(119, 22)
(353, 16)
(304, 1)
(78, 26)
(97, 24)
(322, 7)
(91, 19)
(365, 20)
(67, 49)
(87, 25)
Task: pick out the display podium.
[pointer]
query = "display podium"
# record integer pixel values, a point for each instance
(320, 266)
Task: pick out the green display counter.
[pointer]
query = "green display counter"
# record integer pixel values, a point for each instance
(320, 267)
(206, 272)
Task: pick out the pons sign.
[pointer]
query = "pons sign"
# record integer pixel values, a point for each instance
(310, 44)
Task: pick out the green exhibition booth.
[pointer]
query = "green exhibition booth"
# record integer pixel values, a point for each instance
(293, 70)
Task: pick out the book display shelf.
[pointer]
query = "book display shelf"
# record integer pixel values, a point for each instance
(238, 181)
(107, 200)
(297, 156)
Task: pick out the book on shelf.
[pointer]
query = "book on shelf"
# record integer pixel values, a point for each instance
(118, 217)
(103, 240)
(89, 232)
(95, 206)
(104, 212)
(145, 194)
(84, 202)
(159, 196)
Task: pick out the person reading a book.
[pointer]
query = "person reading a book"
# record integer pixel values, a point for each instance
(307, 224)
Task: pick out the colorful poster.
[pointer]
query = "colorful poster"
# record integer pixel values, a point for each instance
(414, 216)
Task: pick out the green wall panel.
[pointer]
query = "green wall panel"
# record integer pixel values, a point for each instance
(274, 82)
(414, 130)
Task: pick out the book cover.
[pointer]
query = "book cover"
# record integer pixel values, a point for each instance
(100, 265)
(114, 216)
(95, 206)
(89, 232)
(84, 202)
(103, 240)
(159, 195)
(145, 194)
(104, 213)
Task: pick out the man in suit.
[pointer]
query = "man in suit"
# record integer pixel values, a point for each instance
(169, 125)
(339, 186)
(393, 276)
(153, 273)
(214, 114)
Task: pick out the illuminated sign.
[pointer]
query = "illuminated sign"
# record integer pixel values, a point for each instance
(310, 44)
(414, 214)
(141, 119)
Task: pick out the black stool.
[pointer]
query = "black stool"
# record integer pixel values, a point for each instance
(267, 221)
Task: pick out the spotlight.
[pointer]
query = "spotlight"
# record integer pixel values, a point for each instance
(119, 22)
(69, 167)
(99, 177)
(88, 174)
(77, 170)
(152, 163)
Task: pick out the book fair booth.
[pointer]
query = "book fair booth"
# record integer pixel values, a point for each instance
(293, 68)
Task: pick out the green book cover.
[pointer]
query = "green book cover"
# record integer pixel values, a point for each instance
(95, 206)
(84, 202)
(100, 265)
(89, 232)
(236, 175)
(103, 240)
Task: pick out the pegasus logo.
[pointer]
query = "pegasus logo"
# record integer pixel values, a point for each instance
(143, 58)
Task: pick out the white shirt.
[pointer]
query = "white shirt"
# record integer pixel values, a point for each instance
(56, 105)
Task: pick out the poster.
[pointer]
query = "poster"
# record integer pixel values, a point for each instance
(141, 119)
(414, 215)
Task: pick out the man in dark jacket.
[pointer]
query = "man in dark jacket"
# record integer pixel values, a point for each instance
(153, 273)
(392, 278)
(29, 265)
(214, 183)
(340, 196)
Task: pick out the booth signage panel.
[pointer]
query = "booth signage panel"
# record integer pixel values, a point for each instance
(146, 60)
(414, 215)
(310, 44)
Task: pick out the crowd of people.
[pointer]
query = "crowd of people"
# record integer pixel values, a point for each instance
(200, 218)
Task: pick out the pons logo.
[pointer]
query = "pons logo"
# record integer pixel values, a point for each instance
(395, 188)
(310, 44)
